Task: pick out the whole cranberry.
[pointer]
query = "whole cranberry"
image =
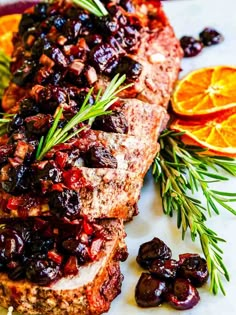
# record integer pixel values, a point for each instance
(191, 46)
(194, 268)
(183, 295)
(77, 248)
(149, 291)
(116, 122)
(100, 157)
(42, 272)
(11, 244)
(65, 204)
(209, 36)
(164, 269)
(152, 250)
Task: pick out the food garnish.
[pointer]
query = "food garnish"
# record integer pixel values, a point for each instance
(207, 37)
(57, 135)
(8, 25)
(205, 91)
(217, 134)
(169, 280)
(93, 6)
(183, 171)
(5, 72)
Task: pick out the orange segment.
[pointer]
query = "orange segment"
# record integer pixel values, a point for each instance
(205, 91)
(8, 25)
(217, 135)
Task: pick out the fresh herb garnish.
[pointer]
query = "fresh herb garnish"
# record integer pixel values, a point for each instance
(4, 71)
(182, 171)
(87, 112)
(93, 6)
(4, 122)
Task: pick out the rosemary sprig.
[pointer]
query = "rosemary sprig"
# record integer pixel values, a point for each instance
(4, 122)
(182, 171)
(93, 6)
(87, 112)
(4, 71)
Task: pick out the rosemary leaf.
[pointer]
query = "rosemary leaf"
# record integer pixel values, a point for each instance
(88, 113)
(93, 6)
(182, 171)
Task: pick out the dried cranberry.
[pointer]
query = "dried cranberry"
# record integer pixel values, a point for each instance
(25, 73)
(27, 21)
(99, 157)
(16, 122)
(11, 244)
(152, 250)
(28, 107)
(103, 57)
(116, 122)
(191, 46)
(6, 150)
(51, 97)
(149, 291)
(40, 10)
(38, 124)
(127, 5)
(65, 204)
(183, 296)
(72, 29)
(164, 269)
(209, 36)
(194, 268)
(59, 22)
(93, 40)
(18, 180)
(49, 172)
(42, 272)
(78, 249)
(38, 245)
(130, 67)
(131, 38)
(108, 25)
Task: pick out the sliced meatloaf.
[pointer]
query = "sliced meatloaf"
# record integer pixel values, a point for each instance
(90, 292)
(64, 252)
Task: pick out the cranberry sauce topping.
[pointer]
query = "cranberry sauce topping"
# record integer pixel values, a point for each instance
(67, 45)
(42, 250)
(169, 280)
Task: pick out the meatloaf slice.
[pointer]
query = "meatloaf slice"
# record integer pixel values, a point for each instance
(89, 293)
(103, 193)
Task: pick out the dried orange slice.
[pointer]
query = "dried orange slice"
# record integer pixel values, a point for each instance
(205, 91)
(8, 25)
(218, 134)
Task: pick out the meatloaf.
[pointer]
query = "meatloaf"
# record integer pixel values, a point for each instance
(62, 213)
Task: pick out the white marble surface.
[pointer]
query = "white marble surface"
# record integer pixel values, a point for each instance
(188, 17)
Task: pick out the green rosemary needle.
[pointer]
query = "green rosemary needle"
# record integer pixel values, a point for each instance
(4, 71)
(93, 6)
(87, 112)
(182, 171)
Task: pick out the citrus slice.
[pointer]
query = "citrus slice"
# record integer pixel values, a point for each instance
(205, 91)
(217, 134)
(8, 25)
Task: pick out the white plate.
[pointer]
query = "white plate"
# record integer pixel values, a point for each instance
(188, 17)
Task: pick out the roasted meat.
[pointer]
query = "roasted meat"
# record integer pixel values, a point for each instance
(61, 216)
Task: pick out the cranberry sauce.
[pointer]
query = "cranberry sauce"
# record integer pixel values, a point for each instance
(65, 45)
(169, 280)
(42, 251)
